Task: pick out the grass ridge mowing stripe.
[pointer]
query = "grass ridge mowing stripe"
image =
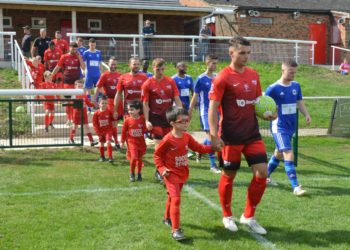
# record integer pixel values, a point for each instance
(262, 240)
(68, 192)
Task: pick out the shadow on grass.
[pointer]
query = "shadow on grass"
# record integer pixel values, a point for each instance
(332, 239)
(325, 163)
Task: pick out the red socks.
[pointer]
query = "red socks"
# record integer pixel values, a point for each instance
(132, 166)
(167, 208)
(89, 135)
(47, 120)
(109, 150)
(72, 133)
(139, 166)
(255, 192)
(225, 194)
(115, 135)
(69, 112)
(52, 116)
(175, 212)
(102, 151)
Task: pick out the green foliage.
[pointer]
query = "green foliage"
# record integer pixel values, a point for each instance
(65, 199)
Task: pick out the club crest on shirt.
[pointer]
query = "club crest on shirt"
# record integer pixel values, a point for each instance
(168, 86)
(294, 92)
(254, 82)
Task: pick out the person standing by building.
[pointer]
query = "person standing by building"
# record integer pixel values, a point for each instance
(40, 44)
(235, 90)
(26, 41)
(287, 94)
(204, 33)
(148, 32)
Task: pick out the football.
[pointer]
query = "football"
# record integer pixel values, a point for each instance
(265, 106)
(20, 109)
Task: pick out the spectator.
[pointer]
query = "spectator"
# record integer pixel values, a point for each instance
(148, 32)
(26, 41)
(41, 44)
(204, 33)
(344, 68)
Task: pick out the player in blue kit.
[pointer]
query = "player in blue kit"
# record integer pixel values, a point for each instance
(288, 97)
(184, 83)
(81, 48)
(92, 58)
(201, 91)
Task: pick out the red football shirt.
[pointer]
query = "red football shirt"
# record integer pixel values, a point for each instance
(108, 81)
(131, 85)
(52, 57)
(37, 73)
(160, 96)
(48, 85)
(237, 93)
(133, 131)
(171, 153)
(61, 44)
(102, 121)
(71, 67)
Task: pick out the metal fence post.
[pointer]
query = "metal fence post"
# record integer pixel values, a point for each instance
(296, 52)
(333, 57)
(296, 141)
(10, 124)
(134, 45)
(313, 54)
(193, 45)
(12, 54)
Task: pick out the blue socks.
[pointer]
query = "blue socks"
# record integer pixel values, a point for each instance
(212, 158)
(273, 164)
(291, 173)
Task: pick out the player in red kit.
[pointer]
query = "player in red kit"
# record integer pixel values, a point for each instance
(129, 85)
(60, 43)
(108, 84)
(51, 57)
(234, 91)
(48, 106)
(133, 131)
(102, 121)
(70, 63)
(77, 119)
(171, 161)
(158, 94)
(36, 70)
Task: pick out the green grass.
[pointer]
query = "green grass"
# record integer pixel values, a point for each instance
(65, 199)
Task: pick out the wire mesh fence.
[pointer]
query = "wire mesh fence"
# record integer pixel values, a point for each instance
(31, 123)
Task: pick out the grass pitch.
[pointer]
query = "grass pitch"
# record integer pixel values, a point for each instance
(65, 199)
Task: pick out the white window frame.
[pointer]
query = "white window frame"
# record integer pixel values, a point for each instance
(10, 21)
(95, 28)
(154, 24)
(39, 19)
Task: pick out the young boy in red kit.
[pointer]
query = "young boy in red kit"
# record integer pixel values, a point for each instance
(133, 131)
(102, 122)
(172, 163)
(48, 106)
(79, 84)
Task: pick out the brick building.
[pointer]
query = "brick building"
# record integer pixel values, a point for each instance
(325, 21)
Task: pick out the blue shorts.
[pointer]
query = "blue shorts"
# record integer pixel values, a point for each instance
(204, 122)
(283, 141)
(91, 81)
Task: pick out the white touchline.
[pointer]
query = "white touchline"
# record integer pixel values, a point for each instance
(74, 191)
(265, 242)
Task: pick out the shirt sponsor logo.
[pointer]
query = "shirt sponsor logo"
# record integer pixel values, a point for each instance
(161, 101)
(131, 91)
(242, 103)
(136, 132)
(168, 86)
(181, 161)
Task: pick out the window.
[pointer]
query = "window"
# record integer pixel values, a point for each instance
(95, 24)
(154, 25)
(38, 22)
(7, 22)
(261, 20)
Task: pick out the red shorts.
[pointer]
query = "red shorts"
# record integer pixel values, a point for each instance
(253, 152)
(136, 151)
(58, 80)
(68, 86)
(49, 106)
(159, 132)
(77, 117)
(173, 189)
(105, 137)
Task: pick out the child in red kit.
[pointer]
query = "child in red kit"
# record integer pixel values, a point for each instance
(48, 106)
(133, 131)
(172, 163)
(79, 84)
(103, 125)
(36, 70)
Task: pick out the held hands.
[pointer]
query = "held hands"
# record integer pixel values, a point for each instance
(166, 172)
(122, 145)
(149, 125)
(216, 143)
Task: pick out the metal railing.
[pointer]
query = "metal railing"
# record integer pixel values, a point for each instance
(6, 47)
(22, 68)
(192, 48)
(333, 54)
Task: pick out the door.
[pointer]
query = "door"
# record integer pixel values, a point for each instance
(317, 32)
(66, 27)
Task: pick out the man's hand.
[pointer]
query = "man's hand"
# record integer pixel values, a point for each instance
(149, 125)
(166, 172)
(268, 116)
(308, 119)
(216, 143)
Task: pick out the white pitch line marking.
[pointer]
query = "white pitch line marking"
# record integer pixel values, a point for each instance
(68, 192)
(263, 241)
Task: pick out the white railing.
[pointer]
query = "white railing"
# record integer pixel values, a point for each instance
(333, 54)
(188, 48)
(6, 47)
(22, 68)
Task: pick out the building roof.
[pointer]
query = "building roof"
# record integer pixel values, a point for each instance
(114, 4)
(306, 5)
